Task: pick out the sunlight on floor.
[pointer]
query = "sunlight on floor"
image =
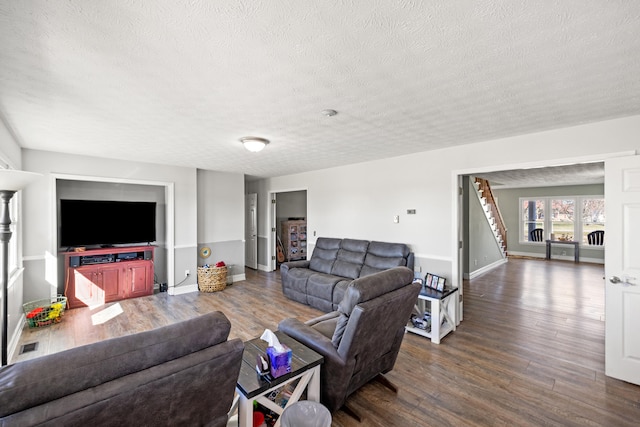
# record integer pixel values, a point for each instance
(106, 314)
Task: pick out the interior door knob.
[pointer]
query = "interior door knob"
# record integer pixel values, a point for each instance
(625, 282)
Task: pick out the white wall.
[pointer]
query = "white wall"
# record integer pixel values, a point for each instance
(360, 200)
(9, 148)
(221, 219)
(291, 204)
(220, 206)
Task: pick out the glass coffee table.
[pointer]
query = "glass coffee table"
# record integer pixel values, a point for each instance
(305, 367)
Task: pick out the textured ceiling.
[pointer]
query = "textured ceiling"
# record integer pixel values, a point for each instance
(178, 82)
(578, 174)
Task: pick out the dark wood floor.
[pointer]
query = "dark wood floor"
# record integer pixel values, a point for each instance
(529, 352)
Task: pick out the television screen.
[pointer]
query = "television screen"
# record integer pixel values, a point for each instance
(106, 222)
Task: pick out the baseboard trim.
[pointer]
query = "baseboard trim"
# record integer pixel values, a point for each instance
(557, 257)
(182, 289)
(484, 269)
(238, 278)
(15, 338)
(527, 254)
(264, 268)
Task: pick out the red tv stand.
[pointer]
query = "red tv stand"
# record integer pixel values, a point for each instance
(99, 276)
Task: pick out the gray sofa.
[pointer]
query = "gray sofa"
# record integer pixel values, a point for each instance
(181, 374)
(322, 280)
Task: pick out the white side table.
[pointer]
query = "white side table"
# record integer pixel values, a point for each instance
(443, 313)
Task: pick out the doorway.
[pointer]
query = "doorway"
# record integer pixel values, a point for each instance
(251, 230)
(459, 259)
(288, 206)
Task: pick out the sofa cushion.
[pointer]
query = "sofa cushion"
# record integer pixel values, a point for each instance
(383, 256)
(374, 264)
(34, 382)
(324, 254)
(294, 283)
(365, 289)
(385, 249)
(349, 258)
(321, 285)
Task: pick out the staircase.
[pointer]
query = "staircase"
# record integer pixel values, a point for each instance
(491, 210)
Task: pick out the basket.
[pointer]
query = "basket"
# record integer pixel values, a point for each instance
(212, 279)
(45, 312)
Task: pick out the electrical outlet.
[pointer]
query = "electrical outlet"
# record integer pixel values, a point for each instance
(187, 273)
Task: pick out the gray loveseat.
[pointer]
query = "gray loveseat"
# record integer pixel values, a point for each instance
(181, 374)
(322, 280)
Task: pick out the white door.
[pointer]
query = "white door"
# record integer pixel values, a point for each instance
(251, 230)
(622, 268)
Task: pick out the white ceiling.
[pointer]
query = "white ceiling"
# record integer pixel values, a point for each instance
(179, 82)
(579, 174)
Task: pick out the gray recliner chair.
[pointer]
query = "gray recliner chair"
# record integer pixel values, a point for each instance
(361, 340)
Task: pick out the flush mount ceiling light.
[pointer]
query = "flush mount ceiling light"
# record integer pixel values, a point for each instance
(253, 143)
(329, 113)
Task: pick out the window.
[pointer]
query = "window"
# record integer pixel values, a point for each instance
(566, 218)
(532, 217)
(593, 217)
(562, 219)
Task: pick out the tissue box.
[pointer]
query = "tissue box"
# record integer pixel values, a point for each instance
(279, 363)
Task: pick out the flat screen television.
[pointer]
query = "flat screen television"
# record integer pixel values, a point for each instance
(106, 222)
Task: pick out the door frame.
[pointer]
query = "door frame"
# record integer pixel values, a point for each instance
(456, 179)
(271, 240)
(247, 233)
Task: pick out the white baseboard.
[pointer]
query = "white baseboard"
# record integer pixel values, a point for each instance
(557, 257)
(182, 289)
(238, 278)
(484, 269)
(266, 268)
(527, 254)
(12, 347)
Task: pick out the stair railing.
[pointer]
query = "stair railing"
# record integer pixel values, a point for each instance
(486, 192)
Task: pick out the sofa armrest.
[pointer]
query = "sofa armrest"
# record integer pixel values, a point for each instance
(285, 266)
(328, 316)
(311, 338)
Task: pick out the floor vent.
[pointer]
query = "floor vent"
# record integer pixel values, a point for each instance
(26, 348)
